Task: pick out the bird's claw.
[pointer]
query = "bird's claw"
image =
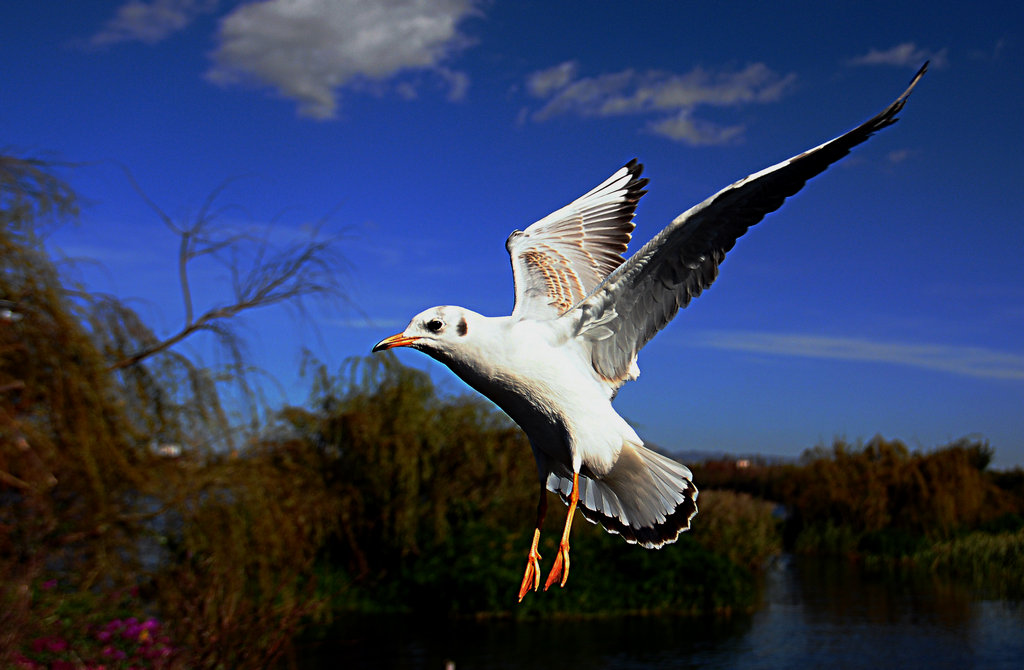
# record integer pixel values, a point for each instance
(560, 570)
(532, 575)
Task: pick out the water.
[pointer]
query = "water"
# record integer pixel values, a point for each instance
(815, 614)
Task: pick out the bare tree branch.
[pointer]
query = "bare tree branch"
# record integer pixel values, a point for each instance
(261, 275)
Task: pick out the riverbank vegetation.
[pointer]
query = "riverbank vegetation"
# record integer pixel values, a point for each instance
(142, 523)
(437, 496)
(942, 510)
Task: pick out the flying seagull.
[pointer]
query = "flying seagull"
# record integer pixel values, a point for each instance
(582, 313)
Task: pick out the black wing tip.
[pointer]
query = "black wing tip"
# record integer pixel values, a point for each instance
(511, 238)
(920, 73)
(842, 145)
(913, 82)
(635, 186)
(888, 115)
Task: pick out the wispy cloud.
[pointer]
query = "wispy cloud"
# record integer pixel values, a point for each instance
(543, 83)
(966, 361)
(907, 54)
(994, 53)
(897, 156)
(682, 127)
(310, 49)
(150, 22)
(668, 97)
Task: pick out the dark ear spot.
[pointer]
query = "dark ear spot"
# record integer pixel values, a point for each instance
(462, 328)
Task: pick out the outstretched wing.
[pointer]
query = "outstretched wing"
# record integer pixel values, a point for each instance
(642, 295)
(560, 259)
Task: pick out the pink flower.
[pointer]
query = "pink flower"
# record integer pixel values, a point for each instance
(50, 643)
(57, 644)
(116, 654)
(49, 584)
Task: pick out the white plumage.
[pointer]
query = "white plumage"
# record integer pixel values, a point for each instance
(581, 316)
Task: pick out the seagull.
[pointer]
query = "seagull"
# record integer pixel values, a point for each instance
(581, 315)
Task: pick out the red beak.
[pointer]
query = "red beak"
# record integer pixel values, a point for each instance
(396, 340)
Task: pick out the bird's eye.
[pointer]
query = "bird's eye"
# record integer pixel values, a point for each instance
(435, 325)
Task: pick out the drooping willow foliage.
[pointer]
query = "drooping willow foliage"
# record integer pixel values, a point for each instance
(119, 464)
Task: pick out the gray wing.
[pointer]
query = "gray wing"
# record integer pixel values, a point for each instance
(646, 292)
(560, 259)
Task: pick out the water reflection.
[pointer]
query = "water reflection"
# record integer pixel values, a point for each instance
(630, 642)
(816, 614)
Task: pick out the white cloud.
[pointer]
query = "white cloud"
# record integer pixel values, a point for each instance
(959, 360)
(150, 22)
(902, 55)
(309, 49)
(458, 83)
(543, 83)
(672, 97)
(694, 131)
(897, 156)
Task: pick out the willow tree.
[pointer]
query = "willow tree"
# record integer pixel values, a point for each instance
(68, 457)
(88, 395)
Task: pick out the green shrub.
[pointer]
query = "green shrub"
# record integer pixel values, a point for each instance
(738, 526)
(828, 539)
(986, 560)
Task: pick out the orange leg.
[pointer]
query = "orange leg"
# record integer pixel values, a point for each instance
(531, 578)
(560, 570)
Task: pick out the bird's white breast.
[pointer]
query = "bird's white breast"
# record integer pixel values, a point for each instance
(543, 379)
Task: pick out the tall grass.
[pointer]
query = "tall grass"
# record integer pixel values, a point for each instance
(993, 561)
(943, 510)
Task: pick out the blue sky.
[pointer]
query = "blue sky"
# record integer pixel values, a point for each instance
(886, 298)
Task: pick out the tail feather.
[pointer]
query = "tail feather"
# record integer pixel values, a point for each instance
(647, 498)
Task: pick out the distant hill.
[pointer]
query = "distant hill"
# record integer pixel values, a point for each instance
(688, 456)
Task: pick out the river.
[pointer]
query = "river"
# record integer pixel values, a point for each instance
(814, 614)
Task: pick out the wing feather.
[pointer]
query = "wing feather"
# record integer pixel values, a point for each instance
(643, 294)
(559, 260)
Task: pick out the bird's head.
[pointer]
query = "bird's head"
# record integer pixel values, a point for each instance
(438, 331)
